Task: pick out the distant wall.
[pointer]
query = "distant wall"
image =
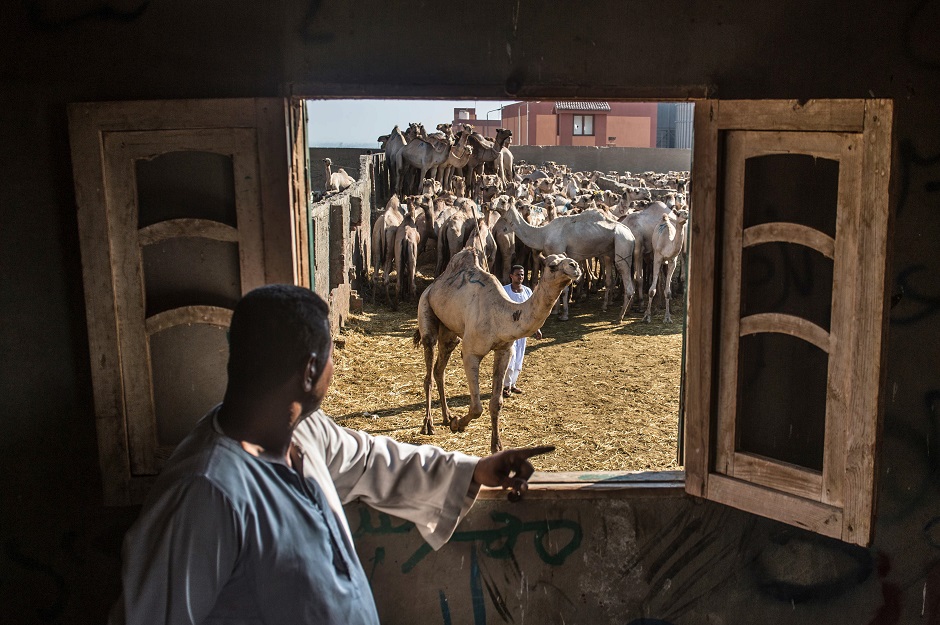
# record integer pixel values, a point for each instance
(579, 158)
(591, 158)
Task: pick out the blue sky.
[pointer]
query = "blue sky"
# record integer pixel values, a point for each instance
(357, 123)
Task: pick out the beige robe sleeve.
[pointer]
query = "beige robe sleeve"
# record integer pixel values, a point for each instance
(419, 483)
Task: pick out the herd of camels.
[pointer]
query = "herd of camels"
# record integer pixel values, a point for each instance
(485, 214)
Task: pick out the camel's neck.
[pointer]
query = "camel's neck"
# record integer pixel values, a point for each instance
(537, 308)
(528, 234)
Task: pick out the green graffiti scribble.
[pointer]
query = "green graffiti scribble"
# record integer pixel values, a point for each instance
(377, 560)
(499, 542)
(465, 276)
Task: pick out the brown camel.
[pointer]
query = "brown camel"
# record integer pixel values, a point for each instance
(383, 242)
(468, 302)
(422, 154)
(407, 241)
(484, 152)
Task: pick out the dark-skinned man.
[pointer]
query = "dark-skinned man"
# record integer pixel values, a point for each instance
(245, 523)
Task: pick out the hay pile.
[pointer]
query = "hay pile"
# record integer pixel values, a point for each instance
(606, 395)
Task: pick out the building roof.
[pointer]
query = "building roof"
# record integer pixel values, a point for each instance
(582, 106)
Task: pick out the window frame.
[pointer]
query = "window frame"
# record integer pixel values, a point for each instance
(286, 244)
(583, 117)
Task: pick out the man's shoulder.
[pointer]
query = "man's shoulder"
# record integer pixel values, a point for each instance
(205, 456)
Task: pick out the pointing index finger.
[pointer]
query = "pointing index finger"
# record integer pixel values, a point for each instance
(528, 452)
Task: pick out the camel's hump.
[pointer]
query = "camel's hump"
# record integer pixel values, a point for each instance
(461, 261)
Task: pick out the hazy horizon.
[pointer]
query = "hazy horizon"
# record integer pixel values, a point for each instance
(359, 123)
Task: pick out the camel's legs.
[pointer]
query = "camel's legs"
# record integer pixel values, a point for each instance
(447, 341)
(657, 267)
(471, 366)
(428, 343)
(500, 365)
(638, 271)
(564, 304)
(670, 270)
(608, 283)
(390, 258)
(623, 268)
(388, 291)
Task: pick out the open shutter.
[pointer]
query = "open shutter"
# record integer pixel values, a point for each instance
(183, 206)
(300, 188)
(787, 315)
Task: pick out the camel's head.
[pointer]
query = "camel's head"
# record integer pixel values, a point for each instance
(502, 203)
(327, 162)
(427, 186)
(681, 216)
(560, 267)
(413, 131)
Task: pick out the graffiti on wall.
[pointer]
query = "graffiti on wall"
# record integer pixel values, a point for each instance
(553, 541)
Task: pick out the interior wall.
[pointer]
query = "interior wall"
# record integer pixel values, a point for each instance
(665, 560)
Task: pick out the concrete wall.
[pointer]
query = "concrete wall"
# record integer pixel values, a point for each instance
(589, 158)
(639, 560)
(342, 229)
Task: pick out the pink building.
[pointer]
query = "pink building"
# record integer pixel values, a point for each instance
(622, 124)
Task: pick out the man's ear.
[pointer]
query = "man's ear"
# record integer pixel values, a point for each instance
(311, 373)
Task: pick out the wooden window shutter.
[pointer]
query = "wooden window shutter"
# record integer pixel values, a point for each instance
(183, 206)
(787, 309)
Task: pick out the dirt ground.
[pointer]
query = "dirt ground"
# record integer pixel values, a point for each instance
(605, 394)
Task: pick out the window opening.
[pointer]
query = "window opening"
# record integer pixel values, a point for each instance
(606, 394)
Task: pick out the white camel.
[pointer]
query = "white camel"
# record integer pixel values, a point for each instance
(468, 302)
(585, 235)
(642, 224)
(336, 181)
(668, 241)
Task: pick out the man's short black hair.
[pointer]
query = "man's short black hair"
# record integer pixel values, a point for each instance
(514, 267)
(274, 330)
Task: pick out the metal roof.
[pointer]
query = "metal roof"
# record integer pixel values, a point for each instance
(582, 106)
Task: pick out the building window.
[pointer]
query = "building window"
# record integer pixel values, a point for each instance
(583, 125)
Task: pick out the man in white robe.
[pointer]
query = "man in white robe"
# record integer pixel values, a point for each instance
(518, 293)
(245, 523)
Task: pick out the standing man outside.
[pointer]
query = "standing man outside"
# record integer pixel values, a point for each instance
(518, 293)
(245, 523)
